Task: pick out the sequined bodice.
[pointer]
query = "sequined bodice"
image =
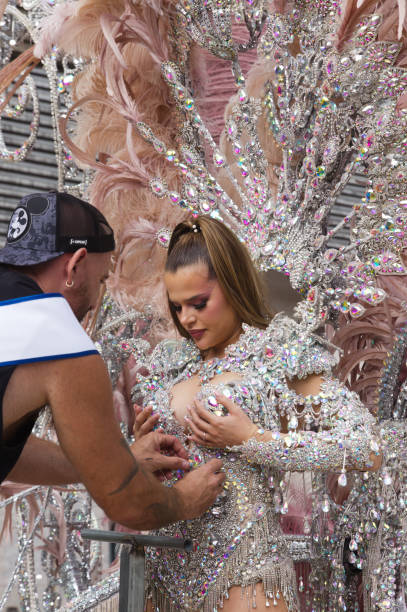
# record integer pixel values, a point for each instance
(240, 537)
(245, 501)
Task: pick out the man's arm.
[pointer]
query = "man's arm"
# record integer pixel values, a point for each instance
(79, 393)
(43, 462)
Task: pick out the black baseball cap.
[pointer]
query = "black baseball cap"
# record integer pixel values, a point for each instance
(46, 225)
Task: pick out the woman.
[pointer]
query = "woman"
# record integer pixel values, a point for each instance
(255, 391)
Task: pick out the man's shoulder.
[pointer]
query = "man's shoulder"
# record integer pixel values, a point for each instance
(76, 377)
(40, 328)
(68, 371)
(32, 385)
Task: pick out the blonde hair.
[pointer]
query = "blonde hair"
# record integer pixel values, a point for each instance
(209, 241)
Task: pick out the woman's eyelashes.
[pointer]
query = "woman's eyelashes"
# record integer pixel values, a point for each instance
(200, 306)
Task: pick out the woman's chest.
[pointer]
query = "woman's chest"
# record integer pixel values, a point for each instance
(246, 390)
(183, 394)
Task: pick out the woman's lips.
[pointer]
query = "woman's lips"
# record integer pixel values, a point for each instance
(196, 334)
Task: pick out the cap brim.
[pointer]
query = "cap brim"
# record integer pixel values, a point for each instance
(16, 256)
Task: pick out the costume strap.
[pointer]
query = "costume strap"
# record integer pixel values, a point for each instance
(40, 328)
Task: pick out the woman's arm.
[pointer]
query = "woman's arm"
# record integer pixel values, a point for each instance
(348, 444)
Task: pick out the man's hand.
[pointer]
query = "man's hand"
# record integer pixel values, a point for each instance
(149, 449)
(199, 489)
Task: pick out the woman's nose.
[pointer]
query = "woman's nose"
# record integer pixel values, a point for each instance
(187, 316)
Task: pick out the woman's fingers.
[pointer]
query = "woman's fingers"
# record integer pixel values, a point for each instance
(204, 414)
(200, 436)
(228, 403)
(145, 421)
(195, 427)
(200, 424)
(149, 424)
(202, 442)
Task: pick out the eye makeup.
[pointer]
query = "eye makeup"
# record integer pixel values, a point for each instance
(200, 303)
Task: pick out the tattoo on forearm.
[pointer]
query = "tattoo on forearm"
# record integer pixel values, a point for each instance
(127, 480)
(164, 513)
(133, 472)
(167, 510)
(126, 446)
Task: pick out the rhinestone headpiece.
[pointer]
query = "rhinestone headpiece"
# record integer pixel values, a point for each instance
(333, 111)
(328, 104)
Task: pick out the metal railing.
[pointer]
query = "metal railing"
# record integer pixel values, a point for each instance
(132, 562)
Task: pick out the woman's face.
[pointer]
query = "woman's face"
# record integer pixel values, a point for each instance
(202, 309)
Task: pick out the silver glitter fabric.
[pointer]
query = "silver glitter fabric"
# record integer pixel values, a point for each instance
(239, 540)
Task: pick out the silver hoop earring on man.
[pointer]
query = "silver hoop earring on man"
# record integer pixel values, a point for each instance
(69, 284)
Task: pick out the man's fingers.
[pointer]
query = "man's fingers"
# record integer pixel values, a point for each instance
(144, 415)
(221, 477)
(174, 463)
(171, 442)
(214, 465)
(218, 479)
(179, 449)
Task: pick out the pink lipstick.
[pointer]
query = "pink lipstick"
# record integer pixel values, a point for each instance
(196, 334)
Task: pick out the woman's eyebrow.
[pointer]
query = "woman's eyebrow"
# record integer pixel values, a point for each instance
(200, 295)
(194, 297)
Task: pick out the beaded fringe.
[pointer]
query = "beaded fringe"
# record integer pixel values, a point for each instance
(369, 577)
(109, 605)
(276, 584)
(278, 579)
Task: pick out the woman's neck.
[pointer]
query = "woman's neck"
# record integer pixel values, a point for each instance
(218, 352)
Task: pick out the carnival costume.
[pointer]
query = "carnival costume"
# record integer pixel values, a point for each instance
(324, 100)
(239, 540)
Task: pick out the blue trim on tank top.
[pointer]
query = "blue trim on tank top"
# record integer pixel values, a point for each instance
(29, 298)
(49, 358)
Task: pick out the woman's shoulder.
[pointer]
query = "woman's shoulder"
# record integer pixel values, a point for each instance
(288, 344)
(281, 328)
(173, 354)
(302, 350)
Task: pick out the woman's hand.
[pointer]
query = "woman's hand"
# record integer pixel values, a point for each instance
(218, 432)
(144, 422)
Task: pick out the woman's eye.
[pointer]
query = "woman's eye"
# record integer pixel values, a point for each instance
(176, 308)
(201, 305)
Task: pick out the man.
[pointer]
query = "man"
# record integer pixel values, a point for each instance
(57, 255)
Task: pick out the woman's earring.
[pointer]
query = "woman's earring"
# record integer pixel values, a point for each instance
(69, 284)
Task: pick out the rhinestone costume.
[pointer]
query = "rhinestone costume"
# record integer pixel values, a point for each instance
(331, 96)
(239, 539)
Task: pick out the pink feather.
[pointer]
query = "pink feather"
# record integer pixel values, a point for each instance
(52, 26)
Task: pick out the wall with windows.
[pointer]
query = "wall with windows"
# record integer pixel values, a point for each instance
(38, 172)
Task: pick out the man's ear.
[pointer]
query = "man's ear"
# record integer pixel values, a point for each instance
(72, 263)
